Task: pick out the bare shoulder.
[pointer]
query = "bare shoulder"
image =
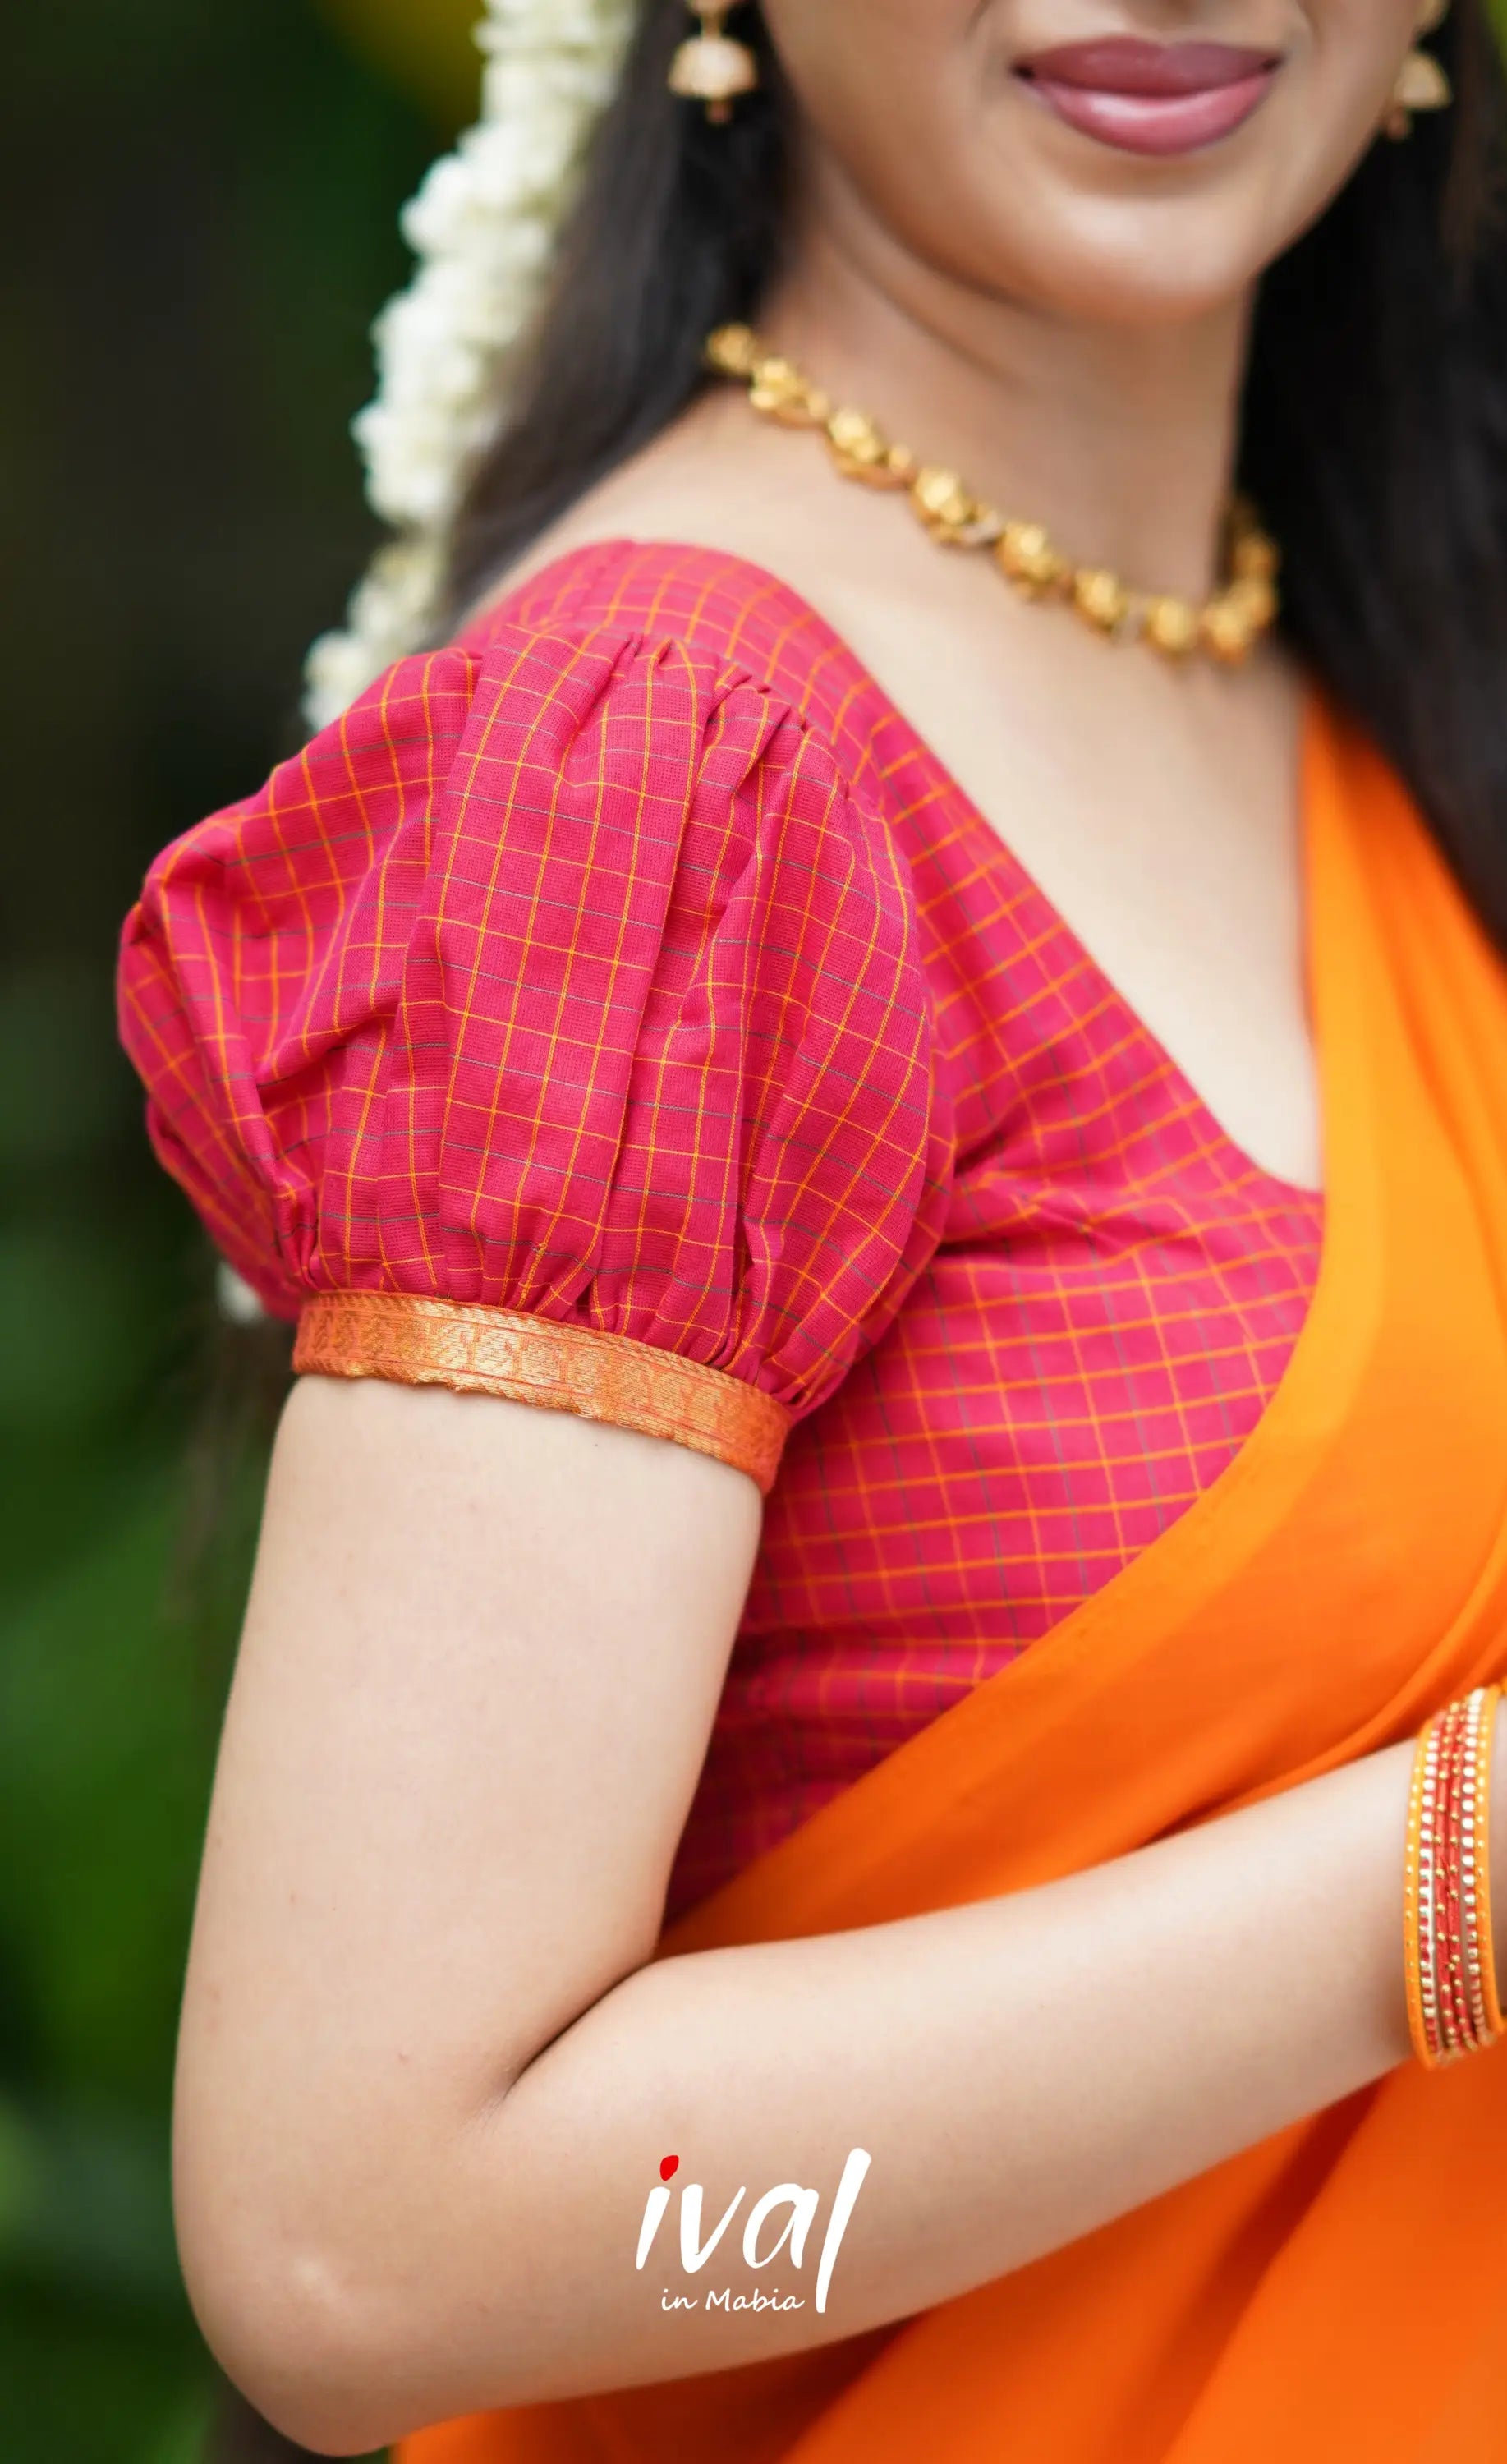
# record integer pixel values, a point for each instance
(718, 479)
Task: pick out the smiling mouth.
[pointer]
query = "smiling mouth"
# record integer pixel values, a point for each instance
(1151, 98)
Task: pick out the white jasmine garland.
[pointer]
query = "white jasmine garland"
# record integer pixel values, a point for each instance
(483, 227)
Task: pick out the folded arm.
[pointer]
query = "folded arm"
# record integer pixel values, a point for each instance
(429, 2067)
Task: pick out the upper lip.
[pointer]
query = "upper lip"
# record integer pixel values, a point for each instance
(1123, 64)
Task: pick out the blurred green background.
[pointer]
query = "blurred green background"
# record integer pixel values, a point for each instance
(201, 222)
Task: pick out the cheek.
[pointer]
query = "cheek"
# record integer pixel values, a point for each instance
(1368, 37)
(1352, 52)
(885, 90)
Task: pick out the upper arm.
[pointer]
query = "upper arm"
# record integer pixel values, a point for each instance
(552, 1025)
(482, 1655)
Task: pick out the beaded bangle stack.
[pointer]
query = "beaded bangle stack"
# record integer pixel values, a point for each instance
(1453, 2005)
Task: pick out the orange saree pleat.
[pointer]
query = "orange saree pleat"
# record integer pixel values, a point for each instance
(1341, 2289)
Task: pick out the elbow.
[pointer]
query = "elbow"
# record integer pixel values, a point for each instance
(294, 2328)
(306, 2273)
(316, 2236)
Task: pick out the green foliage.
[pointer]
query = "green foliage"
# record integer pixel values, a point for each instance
(210, 190)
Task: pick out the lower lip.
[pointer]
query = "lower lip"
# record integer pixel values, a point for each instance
(1155, 123)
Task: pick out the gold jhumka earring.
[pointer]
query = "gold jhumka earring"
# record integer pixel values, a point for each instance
(1422, 84)
(711, 67)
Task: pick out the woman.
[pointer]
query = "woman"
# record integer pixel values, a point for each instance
(852, 1585)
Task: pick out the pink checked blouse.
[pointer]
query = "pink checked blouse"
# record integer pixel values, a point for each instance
(622, 1009)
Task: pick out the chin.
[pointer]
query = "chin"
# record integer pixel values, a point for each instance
(1110, 263)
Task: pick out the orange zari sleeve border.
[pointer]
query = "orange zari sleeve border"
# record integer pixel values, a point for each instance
(479, 1350)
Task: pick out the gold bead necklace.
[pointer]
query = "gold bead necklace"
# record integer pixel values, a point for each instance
(1226, 626)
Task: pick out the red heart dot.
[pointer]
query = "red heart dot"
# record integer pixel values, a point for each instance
(669, 2164)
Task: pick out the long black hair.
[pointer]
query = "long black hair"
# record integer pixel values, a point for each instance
(1375, 427)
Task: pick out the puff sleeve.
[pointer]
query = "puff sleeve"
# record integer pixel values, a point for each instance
(555, 1025)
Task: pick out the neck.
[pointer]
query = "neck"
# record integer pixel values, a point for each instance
(1121, 440)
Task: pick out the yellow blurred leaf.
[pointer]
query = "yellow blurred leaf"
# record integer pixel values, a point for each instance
(424, 46)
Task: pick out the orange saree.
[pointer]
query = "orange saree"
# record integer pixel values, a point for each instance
(1339, 2290)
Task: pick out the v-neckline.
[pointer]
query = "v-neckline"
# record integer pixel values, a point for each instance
(997, 858)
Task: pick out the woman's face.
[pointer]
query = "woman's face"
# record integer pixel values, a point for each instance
(1113, 161)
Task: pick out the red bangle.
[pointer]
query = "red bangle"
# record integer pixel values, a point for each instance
(1452, 2003)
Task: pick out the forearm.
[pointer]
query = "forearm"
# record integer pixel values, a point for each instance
(1019, 2071)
